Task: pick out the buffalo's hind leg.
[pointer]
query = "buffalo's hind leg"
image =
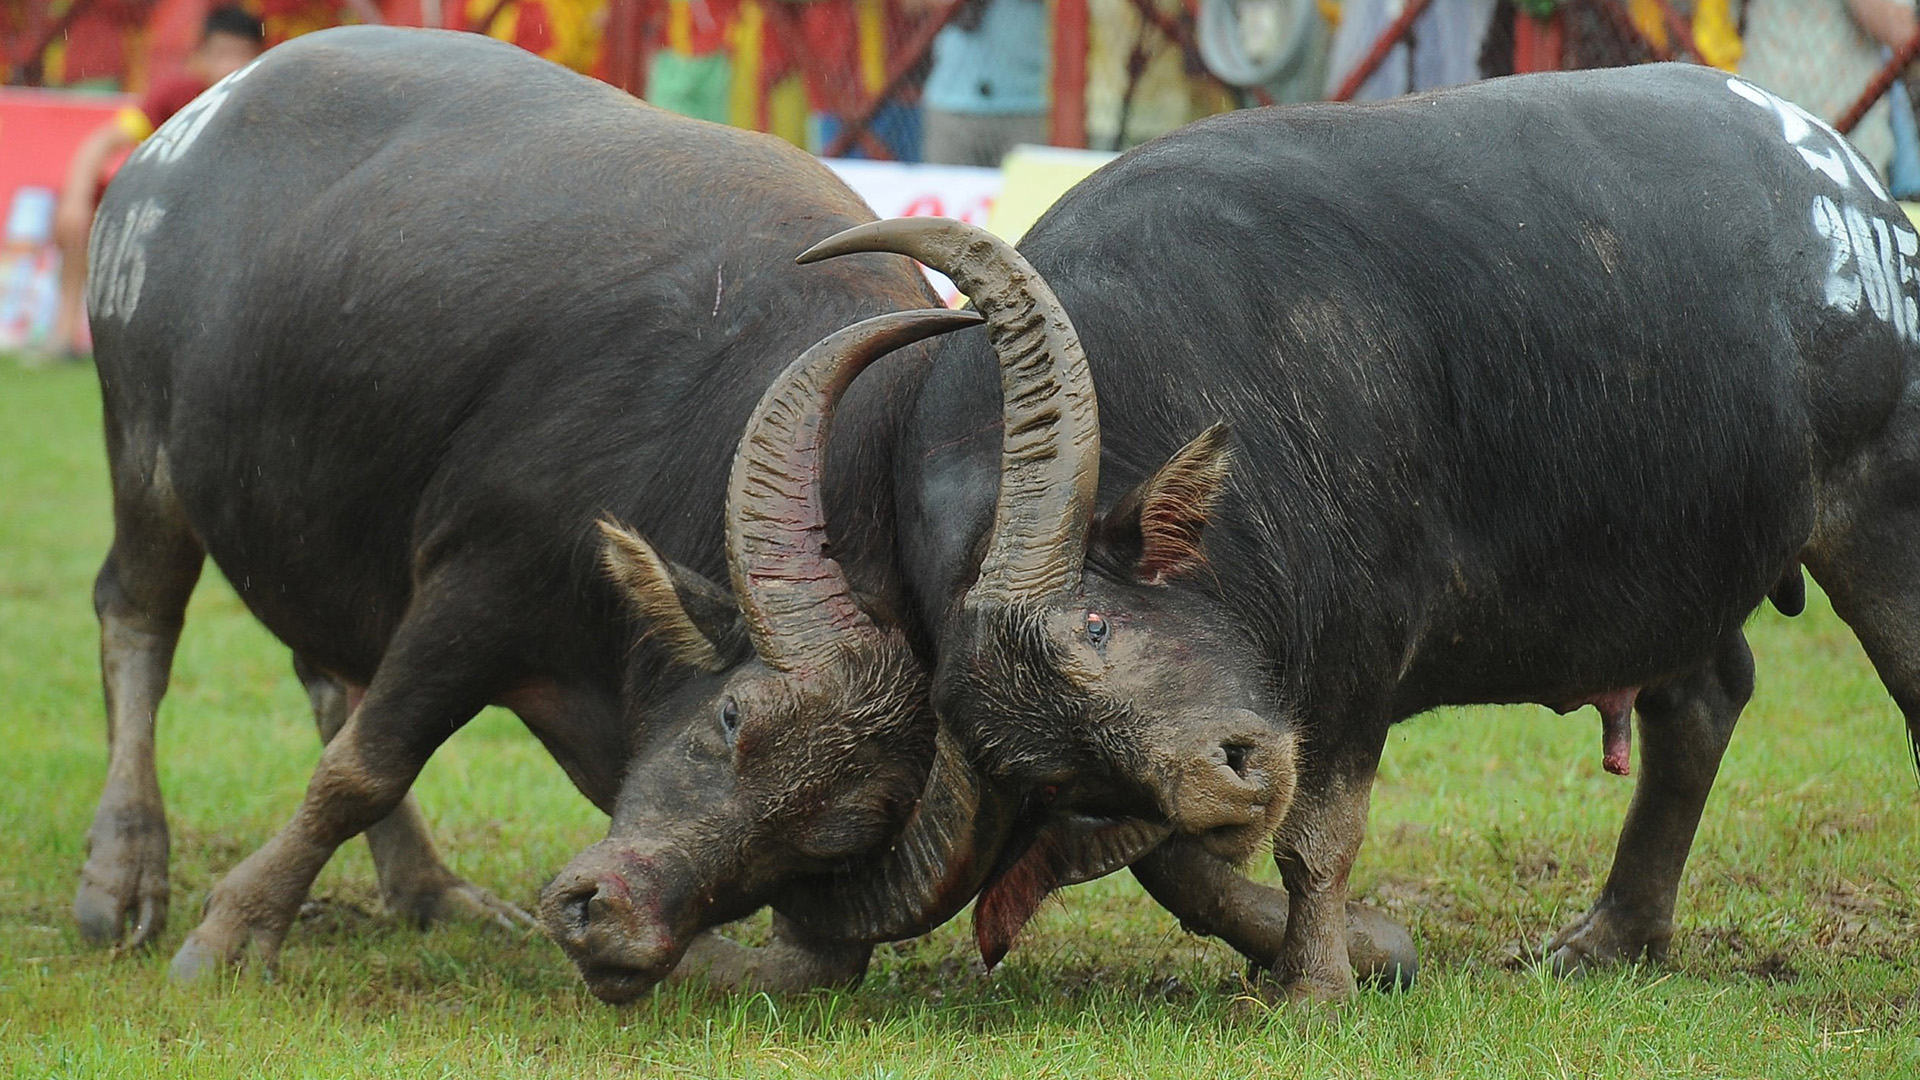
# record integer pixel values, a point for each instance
(140, 597)
(415, 884)
(1685, 725)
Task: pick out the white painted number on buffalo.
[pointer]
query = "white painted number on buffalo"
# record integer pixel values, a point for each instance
(1819, 146)
(118, 254)
(1870, 258)
(177, 135)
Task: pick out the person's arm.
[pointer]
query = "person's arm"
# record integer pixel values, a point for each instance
(1891, 22)
(73, 214)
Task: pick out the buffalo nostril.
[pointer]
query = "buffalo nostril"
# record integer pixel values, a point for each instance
(1236, 757)
(574, 911)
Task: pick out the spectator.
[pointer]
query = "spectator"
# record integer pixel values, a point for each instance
(229, 40)
(987, 90)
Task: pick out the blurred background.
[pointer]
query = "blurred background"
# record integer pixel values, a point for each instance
(980, 109)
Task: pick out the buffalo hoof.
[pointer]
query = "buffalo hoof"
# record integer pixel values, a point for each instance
(449, 899)
(223, 941)
(1266, 991)
(122, 899)
(1383, 953)
(194, 962)
(199, 958)
(1606, 936)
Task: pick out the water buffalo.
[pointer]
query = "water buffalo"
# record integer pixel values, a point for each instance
(396, 345)
(1528, 391)
(446, 378)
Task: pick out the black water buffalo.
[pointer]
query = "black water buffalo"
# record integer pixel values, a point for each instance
(1529, 391)
(442, 353)
(394, 325)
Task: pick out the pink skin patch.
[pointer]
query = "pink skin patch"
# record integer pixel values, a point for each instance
(1616, 726)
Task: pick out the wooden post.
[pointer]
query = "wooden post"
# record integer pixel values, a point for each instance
(1538, 44)
(626, 66)
(1070, 43)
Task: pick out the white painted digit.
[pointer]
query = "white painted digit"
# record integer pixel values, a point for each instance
(1797, 126)
(1843, 289)
(1829, 162)
(177, 135)
(118, 252)
(1872, 283)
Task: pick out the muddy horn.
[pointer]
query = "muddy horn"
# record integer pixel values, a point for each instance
(1050, 447)
(938, 862)
(797, 603)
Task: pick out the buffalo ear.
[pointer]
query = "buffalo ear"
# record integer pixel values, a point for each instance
(696, 619)
(1154, 532)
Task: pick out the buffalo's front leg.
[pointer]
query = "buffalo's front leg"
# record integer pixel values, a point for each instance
(792, 962)
(415, 884)
(1315, 850)
(1210, 897)
(1684, 729)
(420, 696)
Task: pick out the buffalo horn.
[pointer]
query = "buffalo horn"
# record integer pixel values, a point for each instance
(938, 862)
(1050, 442)
(796, 601)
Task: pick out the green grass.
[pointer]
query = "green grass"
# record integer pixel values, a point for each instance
(1796, 955)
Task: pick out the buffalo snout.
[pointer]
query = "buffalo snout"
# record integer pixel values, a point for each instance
(1229, 776)
(608, 910)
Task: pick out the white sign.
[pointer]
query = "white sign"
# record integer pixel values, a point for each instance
(894, 189)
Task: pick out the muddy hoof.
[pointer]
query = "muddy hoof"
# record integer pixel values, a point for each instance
(1383, 954)
(122, 898)
(1605, 937)
(130, 920)
(194, 962)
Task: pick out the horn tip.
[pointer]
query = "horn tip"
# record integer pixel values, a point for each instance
(844, 242)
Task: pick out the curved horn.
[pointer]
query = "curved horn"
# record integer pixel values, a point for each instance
(1050, 445)
(942, 856)
(796, 601)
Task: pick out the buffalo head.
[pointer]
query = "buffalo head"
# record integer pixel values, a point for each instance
(1081, 681)
(799, 737)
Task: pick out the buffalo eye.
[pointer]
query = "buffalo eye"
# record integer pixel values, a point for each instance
(729, 719)
(1096, 628)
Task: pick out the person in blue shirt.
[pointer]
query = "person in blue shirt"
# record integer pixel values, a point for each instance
(987, 90)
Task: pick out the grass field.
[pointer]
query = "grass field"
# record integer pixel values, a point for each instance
(1796, 954)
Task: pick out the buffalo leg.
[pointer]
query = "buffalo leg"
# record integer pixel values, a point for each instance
(1315, 849)
(790, 963)
(1684, 728)
(1211, 898)
(426, 688)
(140, 597)
(415, 884)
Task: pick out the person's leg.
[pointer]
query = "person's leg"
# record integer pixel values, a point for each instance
(68, 333)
